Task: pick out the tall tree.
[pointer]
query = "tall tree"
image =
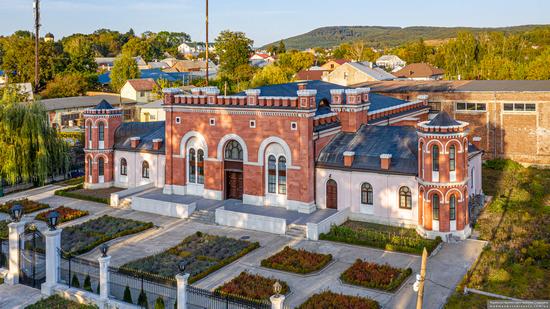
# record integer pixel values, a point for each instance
(124, 68)
(233, 49)
(81, 54)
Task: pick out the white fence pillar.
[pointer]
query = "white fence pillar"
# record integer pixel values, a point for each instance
(53, 246)
(104, 278)
(182, 281)
(277, 301)
(15, 229)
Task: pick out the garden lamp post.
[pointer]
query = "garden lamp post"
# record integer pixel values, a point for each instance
(181, 267)
(103, 249)
(53, 220)
(16, 212)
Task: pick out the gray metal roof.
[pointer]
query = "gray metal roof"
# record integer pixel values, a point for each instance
(146, 131)
(82, 102)
(374, 72)
(506, 85)
(403, 86)
(443, 119)
(368, 143)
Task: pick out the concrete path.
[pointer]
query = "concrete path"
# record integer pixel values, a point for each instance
(18, 296)
(445, 269)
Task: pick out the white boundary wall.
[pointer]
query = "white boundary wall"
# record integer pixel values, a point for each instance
(117, 197)
(162, 208)
(250, 221)
(315, 229)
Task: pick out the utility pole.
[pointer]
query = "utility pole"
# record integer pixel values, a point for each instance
(36, 43)
(206, 42)
(422, 280)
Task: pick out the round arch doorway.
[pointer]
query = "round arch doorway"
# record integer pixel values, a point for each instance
(332, 194)
(233, 170)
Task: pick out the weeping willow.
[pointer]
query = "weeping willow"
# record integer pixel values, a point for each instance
(30, 150)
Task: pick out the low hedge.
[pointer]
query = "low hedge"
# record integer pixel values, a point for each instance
(297, 261)
(29, 206)
(66, 214)
(333, 300)
(68, 192)
(58, 302)
(375, 276)
(251, 287)
(380, 239)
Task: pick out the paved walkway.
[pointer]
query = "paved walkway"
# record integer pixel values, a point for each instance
(445, 269)
(18, 296)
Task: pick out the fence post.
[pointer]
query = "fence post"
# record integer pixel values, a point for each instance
(182, 281)
(277, 301)
(104, 279)
(53, 248)
(15, 229)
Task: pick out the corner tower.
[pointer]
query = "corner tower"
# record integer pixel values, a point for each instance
(101, 123)
(443, 177)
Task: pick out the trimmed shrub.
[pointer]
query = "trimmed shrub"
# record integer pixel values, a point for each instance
(329, 299)
(297, 261)
(375, 276)
(127, 295)
(74, 282)
(87, 284)
(142, 300)
(159, 303)
(251, 287)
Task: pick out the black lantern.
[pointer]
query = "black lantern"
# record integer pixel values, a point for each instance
(182, 266)
(53, 219)
(104, 248)
(16, 212)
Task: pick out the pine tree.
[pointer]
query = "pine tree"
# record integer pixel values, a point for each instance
(159, 304)
(87, 284)
(142, 300)
(74, 282)
(127, 295)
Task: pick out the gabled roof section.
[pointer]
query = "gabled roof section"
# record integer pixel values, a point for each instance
(146, 131)
(368, 143)
(142, 84)
(443, 119)
(374, 72)
(418, 70)
(103, 105)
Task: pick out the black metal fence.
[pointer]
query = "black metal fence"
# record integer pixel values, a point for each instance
(139, 288)
(4, 252)
(206, 299)
(79, 273)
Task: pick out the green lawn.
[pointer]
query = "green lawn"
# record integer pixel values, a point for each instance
(516, 263)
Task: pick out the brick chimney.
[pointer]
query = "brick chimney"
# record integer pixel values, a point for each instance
(302, 86)
(134, 142)
(306, 98)
(212, 94)
(385, 161)
(170, 95)
(157, 143)
(252, 96)
(348, 158)
(354, 96)
(476, 141)
(424, 98)
(337, 96)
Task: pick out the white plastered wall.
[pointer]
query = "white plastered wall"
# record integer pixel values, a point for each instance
(135, 161)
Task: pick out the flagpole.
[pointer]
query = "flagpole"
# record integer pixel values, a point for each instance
(206, 42)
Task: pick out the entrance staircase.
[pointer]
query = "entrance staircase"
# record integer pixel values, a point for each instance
(204, 216)
(296, 231)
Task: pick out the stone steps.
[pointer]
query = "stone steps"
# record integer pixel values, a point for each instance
(204, 216)
(296, 231)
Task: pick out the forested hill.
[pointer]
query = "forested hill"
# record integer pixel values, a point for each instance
(380, 37)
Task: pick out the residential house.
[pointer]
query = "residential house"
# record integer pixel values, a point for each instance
(189, 49)
(158, 65)
(310, 74)
(332, 65)
(139, 90)
(155, 74)
(420, 71)
(390, 62)
(153, 111)
(260, 60)
(107, 63)
(353, 73)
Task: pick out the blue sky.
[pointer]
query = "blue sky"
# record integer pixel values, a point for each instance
(267, 20)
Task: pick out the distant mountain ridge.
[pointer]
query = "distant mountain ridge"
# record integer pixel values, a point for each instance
(381, 36)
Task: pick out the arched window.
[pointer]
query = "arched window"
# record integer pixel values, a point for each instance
(192, 166)
(452, 207)
(282, 175)
(405, 198)
(101, 131)
(435, 158)
(101, 167)
(145, 170)
(90, 132)
(452, 158)
(200, 166)
(435, 206)
(271, 174)
(234, 151)
(422, 159)
(123, 167)
(90, 164)
(366, 194)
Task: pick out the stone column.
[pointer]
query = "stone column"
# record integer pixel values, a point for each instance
(15, 229)
(104, 278)
(277, 301)
(182, 282)
(53, 245)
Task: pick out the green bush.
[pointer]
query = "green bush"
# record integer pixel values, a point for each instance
(74, 282)
(142, 300)
(159, 303)
(68, 192)
(58, 302)
(87, 284)
(502, 165)
(127, 295)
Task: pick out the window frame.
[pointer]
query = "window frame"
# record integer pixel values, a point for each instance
(100, 167)
(123, 167)
(469, 107)
(435, 158)
(405, 195)
(101, 132)
(435, 210)
(452, 158)
(452, 207)
(145, 173)
(367, 194)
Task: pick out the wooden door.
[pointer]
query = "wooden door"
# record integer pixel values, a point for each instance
(332, 194)
(234, 185)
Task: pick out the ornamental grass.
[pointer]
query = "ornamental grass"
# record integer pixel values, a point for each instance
(28, 206)
(66, 214)
(375, 276)
(333, 300)
(297, 261)
(251, 287)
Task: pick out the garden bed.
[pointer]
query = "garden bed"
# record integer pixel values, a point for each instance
(66, 214)
(28, 206)
(203, 254)
(251, 287)
(333, 300)
(92, 195)
(297, 261)
(380, 236)
(84, 237)
(58, 302)
(375, 276)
